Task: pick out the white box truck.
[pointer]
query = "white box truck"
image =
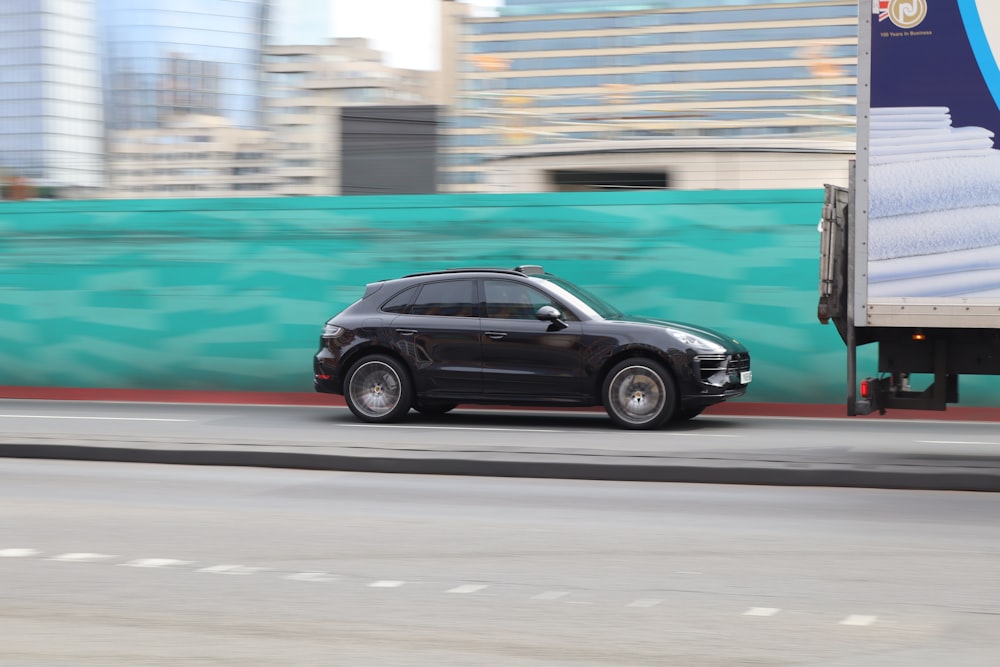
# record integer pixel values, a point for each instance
(910, 251)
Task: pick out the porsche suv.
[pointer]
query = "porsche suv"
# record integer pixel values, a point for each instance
(432, 341)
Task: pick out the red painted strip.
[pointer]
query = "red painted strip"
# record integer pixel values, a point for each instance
(309, 398)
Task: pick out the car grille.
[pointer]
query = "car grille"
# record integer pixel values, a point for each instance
(715, 369)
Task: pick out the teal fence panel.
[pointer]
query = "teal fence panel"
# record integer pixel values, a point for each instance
(230, 294)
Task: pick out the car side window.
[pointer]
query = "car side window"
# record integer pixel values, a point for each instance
(449, 298)
(509, 300)
(398, 303)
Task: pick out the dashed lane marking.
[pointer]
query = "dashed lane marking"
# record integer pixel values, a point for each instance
(156, 562)
(468, 588)
(82, 557)
(644, 602)
(312, 576)
(856, 619)
(18, 553)
(232, 569)
(761, 611)
(550, 595)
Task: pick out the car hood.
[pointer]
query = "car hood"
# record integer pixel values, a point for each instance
(727, 342)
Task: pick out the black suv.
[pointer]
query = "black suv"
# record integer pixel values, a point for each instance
(430, 341)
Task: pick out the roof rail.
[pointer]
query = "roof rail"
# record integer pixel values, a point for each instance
(529, 269)
(471, 269)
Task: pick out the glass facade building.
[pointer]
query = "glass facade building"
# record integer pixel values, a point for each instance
(166, 59)
(50, 95)
(573, 70)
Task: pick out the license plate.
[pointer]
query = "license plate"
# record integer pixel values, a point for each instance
(745, 377)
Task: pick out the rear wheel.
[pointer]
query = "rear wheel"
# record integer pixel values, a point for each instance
(378, 390)
(639, 394)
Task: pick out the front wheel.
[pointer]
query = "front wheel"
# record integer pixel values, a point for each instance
(378, 390)
(639, 394)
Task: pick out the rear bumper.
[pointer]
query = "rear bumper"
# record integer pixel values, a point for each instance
(326, 380)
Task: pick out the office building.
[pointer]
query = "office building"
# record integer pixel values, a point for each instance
(50, 95)
(308, 86)
(167, 59)
(548, 85)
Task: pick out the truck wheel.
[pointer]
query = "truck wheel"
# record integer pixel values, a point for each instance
(378, 390)
(639, 394)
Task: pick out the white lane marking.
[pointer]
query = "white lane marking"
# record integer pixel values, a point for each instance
(644, 602)
(550, 595)
(312, 576)
(156, 562)
(113, 419)
(761, 611)
(231, 569)
(386, 584)
(18, 553)
(459, 428)
(855, 619)
(468, 588)
(82, 557)
(956, 442)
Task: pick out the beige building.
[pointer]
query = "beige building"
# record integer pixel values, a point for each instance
(307, 87)
(190, 156)
(297, 153)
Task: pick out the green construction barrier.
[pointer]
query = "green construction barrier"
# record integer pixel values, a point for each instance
(230, 294)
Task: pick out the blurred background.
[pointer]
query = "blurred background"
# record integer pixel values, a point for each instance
(263, 98)
(192, 187)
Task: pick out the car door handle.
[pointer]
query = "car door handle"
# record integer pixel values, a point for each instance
(406, 332)
(495, 335)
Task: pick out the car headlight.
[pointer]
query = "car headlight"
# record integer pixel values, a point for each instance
(697, 342)
(332, 330)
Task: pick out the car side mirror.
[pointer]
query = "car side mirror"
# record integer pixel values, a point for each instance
(551, 314)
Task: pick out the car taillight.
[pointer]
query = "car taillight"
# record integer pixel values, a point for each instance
(331, 330)
(866, 388)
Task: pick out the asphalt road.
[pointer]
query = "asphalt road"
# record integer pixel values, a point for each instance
(864, 452)
(119, 565)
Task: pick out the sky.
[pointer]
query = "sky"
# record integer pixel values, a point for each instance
(406, 31)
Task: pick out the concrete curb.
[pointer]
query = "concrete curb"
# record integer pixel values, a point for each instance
(925, 478)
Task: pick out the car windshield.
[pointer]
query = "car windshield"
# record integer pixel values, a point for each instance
(580, 299)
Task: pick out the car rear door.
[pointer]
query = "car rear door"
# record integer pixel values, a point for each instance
(439, 337)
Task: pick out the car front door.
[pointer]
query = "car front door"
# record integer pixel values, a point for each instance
(439, 336)
(525, 358)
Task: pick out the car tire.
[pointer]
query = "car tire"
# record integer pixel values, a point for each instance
(639, 394)
(378, 390)
(686, 414)
(433, 408)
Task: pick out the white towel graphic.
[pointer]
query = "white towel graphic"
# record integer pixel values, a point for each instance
(934, 206)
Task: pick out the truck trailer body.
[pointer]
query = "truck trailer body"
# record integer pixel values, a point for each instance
(910, 251)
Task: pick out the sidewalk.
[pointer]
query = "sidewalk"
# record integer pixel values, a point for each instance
(743, 444)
